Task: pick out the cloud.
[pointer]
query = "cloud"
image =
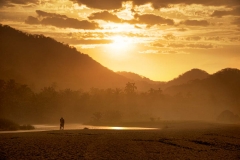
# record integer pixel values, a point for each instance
(32, 20)
(182, 29)
(190, 45)
(60, 21)
(76, 41)
(150, 19)
(116, 4)
(216, 38)
(234, 12)
(171, 51)
(200, 46)
(17, 2)
(194, 38)
(149, 52)
(160, 45)
(101, 4)
(202, 23)
(236, 22)
(176, 45)
(46, 14)
(169, 36)
(234, 39)
(166, 3)
(106, 16)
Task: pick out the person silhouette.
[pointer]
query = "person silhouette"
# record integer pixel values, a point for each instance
(62, 123)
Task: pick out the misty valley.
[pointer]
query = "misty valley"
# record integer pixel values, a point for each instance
(43, 80)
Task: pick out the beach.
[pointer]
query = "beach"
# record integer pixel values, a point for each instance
(172, 141)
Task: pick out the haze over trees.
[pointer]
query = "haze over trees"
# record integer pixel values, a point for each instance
(42, 80)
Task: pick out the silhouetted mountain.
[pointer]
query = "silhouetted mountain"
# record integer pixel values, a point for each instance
(217, 92)
(228, 117)
(194, 74)
(135, 77)
(39, 61)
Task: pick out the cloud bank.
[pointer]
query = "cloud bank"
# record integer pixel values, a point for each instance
(116, 4)
(60, 21)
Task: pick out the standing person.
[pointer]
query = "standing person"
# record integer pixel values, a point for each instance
(61, 123)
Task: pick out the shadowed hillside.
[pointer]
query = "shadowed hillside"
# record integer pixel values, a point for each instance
(194, 74)
(135, 77)
(40, 61)
(217, 92)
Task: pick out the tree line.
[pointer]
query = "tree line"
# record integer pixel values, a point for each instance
(20, 103)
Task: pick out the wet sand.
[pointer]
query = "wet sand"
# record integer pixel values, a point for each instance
(172, 141)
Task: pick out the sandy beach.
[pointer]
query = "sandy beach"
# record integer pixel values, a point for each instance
(173, 141)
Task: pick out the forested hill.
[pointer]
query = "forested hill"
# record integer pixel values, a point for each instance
(40, 61)
(194, 74)
(220, 90)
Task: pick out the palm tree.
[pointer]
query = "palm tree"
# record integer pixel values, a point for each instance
(130, 88)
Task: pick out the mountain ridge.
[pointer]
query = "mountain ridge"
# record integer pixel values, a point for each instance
(36, 58)
(40, 61)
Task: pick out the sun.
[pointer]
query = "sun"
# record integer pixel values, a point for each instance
(120, 42)
(120, 47)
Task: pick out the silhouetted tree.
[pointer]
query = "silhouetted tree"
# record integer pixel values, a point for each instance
(130, 88)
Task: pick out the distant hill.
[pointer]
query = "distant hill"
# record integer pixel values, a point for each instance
(135, 77)
(142, 83)
(194, 74)
(228, 117)
(39, 61)
(221, 91)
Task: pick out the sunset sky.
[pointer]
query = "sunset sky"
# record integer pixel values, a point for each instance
(158, 39)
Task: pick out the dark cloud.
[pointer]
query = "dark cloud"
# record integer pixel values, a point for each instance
(234, 12)
(158, 45)
(101, 4)
(203, 23)
(60, 21)
(32, 20)
(166, 3)
(46, 14)
(17, 2)
(150, 19)
(69, 23)
(106, 16)
(194, 38)
(116, 4)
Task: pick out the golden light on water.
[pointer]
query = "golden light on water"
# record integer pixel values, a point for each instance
(131, 128)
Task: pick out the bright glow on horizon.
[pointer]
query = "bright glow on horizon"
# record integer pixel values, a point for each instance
(120, 42)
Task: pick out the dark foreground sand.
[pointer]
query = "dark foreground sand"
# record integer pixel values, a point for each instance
(173, 141)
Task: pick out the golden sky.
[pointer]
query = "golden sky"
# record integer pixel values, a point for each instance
(159, 39)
